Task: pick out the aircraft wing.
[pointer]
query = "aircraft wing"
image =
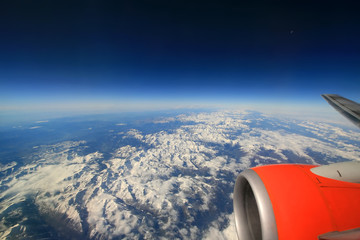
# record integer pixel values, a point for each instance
(353, 234)
(348, 108)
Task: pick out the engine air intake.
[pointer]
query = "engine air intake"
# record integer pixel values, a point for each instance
(254, 216)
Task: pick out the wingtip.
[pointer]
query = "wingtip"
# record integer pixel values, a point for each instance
(331, 95)
(348, 108)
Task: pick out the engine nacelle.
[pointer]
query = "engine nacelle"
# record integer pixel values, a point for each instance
(291, 202)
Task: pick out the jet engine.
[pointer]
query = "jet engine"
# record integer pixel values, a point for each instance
(298, 202)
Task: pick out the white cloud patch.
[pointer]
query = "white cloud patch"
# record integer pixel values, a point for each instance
(35, 127)
(43, 121)
(165, 120)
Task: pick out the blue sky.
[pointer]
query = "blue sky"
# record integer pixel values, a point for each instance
(167, 54)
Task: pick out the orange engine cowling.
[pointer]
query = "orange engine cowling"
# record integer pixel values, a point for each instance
(290, 202)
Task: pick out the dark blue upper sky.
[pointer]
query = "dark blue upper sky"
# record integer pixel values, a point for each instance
(54, 52)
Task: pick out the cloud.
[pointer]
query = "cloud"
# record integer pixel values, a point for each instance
(44, 121)
(35, 127)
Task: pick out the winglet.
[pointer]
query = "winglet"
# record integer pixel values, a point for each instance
(348, 108)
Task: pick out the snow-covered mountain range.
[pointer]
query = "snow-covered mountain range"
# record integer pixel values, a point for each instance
(167, 183)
